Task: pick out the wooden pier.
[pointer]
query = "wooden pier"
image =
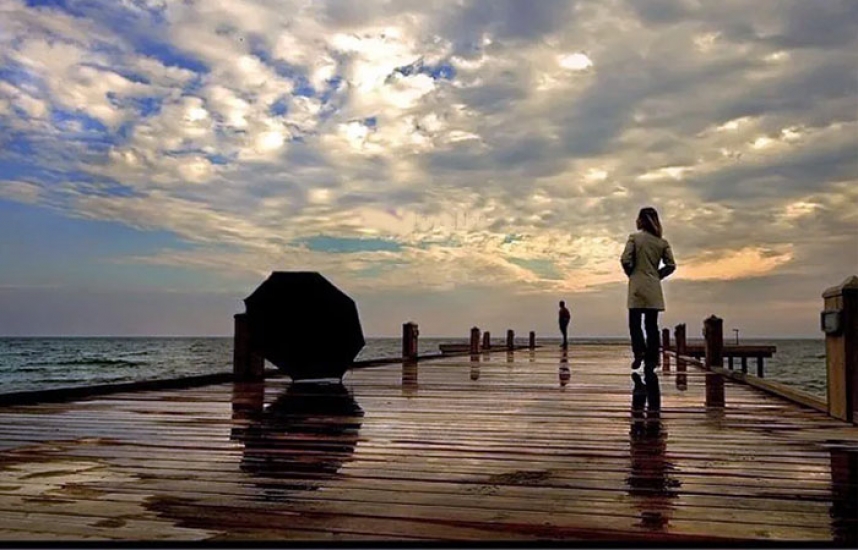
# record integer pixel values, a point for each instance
(499, 448)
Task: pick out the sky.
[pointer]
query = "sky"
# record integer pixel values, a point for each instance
(452, 163)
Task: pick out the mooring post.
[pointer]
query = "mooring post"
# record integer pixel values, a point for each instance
(839, 322)
(760, 368)
(532, 340)
(475, 340)
(510, 340)
(487, 340)
(665, 346)
(247, 365)
(679, 346)
(410, 333)
(713, 331)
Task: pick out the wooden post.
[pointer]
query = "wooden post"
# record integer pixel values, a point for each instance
(679, 338)
(713, 331)
(760, 372)
(532, 340)
(665, 345)
(839, 322)
(730, 362)
(510, 340)
(247, 365)
(487, 340)
(475, 340)
(744, 364)
(409, 340)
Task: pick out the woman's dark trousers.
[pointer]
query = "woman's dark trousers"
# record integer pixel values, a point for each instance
(646, 350)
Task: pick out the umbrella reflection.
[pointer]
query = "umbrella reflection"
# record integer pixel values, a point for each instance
(650, 482)
(302, 438)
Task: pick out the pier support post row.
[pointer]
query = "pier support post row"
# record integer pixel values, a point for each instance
(475, 341)
(247, 365)
(487, 340)
(409, 340)
(839, 322)
(713, 331)
(510, 340)
(665, 345)
(531, 343)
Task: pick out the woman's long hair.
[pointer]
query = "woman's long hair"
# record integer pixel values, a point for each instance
(648, 219)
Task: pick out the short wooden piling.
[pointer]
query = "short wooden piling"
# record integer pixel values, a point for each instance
(713, 331)
(839, 322)
(531, 343)
(679, 339)
(487, 340)
(510, 340)
(410, 334)
(665, 346)
(247, 364)
(475, 340)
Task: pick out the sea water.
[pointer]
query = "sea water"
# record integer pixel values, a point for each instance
(45, 363)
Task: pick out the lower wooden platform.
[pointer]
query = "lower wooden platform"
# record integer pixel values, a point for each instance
(520, 446)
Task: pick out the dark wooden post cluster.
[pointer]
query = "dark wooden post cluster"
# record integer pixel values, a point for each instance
(839, 322)
(247, 365)
(410, 333)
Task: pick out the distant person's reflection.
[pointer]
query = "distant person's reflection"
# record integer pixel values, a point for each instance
(650, 483)
(303, 437)
(563, 371)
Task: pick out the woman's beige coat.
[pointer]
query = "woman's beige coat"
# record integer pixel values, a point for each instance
(641, 257)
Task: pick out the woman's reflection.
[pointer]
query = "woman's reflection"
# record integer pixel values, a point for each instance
(650, 483)
(304, 436)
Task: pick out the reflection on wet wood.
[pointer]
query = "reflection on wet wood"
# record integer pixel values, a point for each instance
(527, 445)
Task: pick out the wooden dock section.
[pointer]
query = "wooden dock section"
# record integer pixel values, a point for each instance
(518, 446)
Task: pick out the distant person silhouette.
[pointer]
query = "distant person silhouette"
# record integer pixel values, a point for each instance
(563, 317)
(645, 251)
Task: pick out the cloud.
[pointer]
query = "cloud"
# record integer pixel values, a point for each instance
(266, 136)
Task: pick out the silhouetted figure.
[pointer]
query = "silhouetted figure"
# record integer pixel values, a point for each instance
(645, 251)
(563, 318)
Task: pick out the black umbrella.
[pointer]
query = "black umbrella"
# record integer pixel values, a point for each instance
(304, 325)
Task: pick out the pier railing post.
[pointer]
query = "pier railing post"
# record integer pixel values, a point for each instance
(487, 340)
(247, 365)
(713, 331)
(532, 340)
(410, 333)
(839, 322)
(679, 346)
(665, 346)
(510, 340)
(475, 341)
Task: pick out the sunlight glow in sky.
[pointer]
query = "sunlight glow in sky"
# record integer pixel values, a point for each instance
(455, 163)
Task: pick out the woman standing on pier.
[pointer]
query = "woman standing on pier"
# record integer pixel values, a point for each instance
(644, 252)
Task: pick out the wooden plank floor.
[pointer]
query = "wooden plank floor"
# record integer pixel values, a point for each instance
(496, 450)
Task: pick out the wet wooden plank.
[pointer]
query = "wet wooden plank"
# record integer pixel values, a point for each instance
(439, 455)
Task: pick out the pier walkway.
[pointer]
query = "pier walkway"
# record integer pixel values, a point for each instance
(450, 449)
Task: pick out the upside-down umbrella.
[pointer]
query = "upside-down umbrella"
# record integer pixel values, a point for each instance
(304, 325)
